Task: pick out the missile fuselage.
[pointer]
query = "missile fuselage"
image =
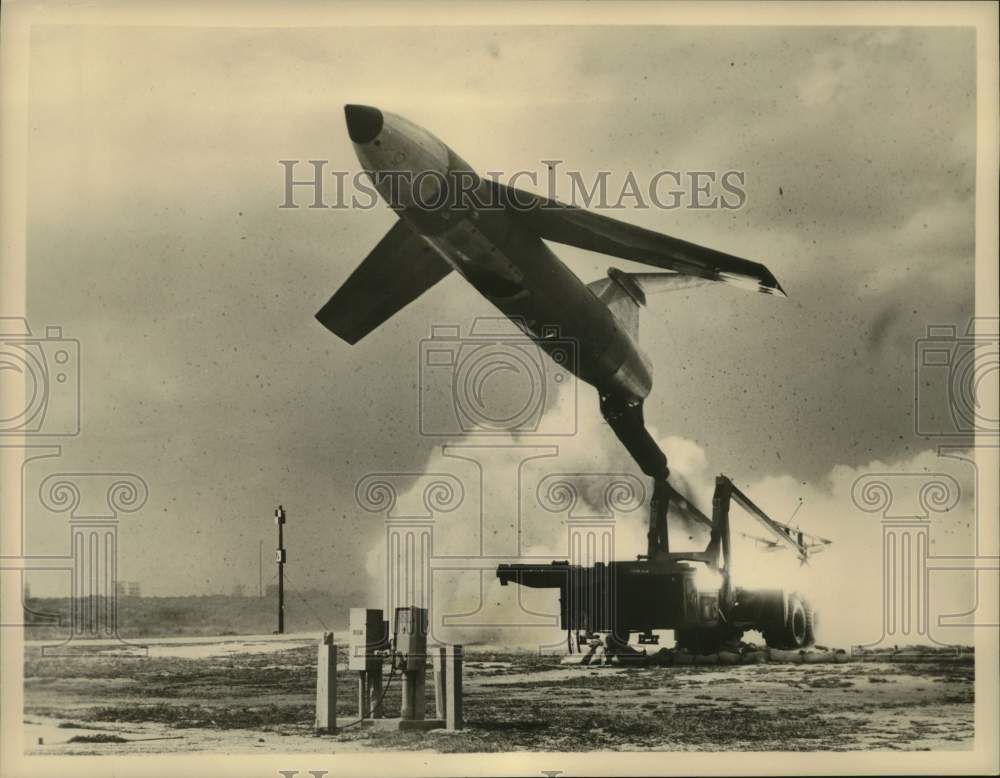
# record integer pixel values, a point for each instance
(485, 241)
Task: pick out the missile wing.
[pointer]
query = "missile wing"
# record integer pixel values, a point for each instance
(396, 272)
(574, 226)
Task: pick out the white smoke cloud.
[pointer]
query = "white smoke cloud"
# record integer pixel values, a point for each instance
(501, 477)
(846, 581)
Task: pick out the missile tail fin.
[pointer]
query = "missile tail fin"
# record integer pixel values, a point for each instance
(622, 296)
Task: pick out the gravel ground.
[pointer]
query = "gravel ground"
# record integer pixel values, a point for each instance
(242, 697)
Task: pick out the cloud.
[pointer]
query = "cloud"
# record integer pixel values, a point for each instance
(888, 36)
(832, 75)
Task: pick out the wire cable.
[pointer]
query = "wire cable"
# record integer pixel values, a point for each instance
(308, 606)
(377, 705)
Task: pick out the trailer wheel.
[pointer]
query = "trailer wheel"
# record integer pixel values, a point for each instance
(796, 632)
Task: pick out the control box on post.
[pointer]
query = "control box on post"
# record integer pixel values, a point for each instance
(368, 648)
(410, 638)
(369, 635)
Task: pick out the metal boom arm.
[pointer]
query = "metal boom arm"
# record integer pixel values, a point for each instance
(794, 538)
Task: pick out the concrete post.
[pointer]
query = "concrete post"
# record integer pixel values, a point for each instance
(411, 646)
(326, 685)
(364, 701)
(453, 686)
(375, 691)
(414, 705)
(419, 694)
(407, 709)
(370, 693)
(440, 700)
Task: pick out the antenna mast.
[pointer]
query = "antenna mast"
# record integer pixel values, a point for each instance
(281, 557)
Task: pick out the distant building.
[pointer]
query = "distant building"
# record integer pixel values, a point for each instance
(239, 591)
(128, 589)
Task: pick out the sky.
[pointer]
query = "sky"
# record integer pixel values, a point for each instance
(155, 238)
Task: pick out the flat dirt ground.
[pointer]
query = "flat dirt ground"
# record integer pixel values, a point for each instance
(242, 695)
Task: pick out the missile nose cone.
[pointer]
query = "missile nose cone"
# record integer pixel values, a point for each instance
(363, 122)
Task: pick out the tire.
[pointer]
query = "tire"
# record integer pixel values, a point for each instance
(810, 624)
(797, 631)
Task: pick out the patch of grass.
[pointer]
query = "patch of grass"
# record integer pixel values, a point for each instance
(205, 716)
(829, 682)
(98, 738)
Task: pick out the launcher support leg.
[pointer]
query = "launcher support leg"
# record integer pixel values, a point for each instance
(658, 538)
(627, 422)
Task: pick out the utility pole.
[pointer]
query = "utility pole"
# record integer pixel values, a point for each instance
(260, 570)
(281, 558)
